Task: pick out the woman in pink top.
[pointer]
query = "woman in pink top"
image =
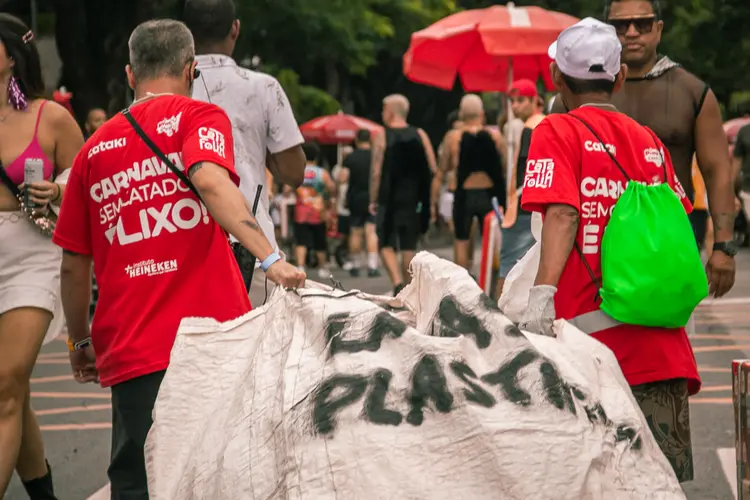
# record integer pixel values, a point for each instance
(30, 128)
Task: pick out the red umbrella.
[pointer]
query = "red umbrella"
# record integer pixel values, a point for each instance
(485, 47)
(337, 129)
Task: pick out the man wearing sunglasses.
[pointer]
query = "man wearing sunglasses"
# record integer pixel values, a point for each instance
(684, 113)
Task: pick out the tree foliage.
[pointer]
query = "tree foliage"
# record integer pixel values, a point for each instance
(327, 52)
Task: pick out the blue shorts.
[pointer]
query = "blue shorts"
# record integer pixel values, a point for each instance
(517, 240)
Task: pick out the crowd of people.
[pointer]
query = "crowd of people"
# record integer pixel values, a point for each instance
(186, 174)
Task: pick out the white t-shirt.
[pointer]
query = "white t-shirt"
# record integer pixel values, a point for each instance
(262, 119)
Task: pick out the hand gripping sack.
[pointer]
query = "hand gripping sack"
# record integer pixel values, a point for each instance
(652, 273)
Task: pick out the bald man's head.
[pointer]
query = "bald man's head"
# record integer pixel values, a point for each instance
(471, 108)
(396, 104)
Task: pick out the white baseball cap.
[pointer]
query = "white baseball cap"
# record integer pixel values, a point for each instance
(588, 50)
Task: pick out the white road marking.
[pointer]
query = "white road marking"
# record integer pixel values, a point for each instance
(729, 466)
(102, 494)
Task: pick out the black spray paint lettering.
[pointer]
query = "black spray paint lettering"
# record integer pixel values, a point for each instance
(375, 410)
(428, 382)
(628, 433)
(507, 377)
(454, 321)
(429, 388)
(325, 406)
(384, 325)
(474, 393)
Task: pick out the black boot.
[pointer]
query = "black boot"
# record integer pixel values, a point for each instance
(41, 487)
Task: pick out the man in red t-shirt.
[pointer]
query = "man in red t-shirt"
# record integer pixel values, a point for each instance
(160, 251)
(572, 180)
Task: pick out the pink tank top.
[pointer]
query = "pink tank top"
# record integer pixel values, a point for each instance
(33, 150)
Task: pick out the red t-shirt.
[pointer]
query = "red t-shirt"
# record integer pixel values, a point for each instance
(158, 255)
(568, 165)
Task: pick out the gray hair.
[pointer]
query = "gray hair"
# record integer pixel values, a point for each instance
(160, 48)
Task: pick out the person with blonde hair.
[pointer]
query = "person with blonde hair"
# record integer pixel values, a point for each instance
(403, 163)
(475, 154)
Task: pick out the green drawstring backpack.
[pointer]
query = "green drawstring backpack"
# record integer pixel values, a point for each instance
(652, 274)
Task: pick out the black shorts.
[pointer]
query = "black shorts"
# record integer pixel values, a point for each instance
(344, 224)
(132, 406)
(312, 236)
(468, 204)
(399, 230)
(360, 219)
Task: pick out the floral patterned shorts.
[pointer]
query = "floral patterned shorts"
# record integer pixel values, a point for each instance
(665, 406)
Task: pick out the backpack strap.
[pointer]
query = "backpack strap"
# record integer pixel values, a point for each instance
(593, 277)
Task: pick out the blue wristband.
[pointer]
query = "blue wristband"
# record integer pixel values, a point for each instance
(269, 261)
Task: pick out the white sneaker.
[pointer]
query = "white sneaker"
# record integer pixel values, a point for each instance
(323, 273)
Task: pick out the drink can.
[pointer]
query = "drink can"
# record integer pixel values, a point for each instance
(33, 172)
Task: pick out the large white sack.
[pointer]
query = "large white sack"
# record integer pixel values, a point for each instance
(515, 295)
(514, 298)
(327, 395)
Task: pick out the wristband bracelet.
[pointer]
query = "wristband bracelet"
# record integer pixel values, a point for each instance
(269, 261)
(77, 346)
(59, 194)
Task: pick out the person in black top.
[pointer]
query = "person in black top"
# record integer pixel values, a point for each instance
(403, 163)
(476, 157)
(356, 173)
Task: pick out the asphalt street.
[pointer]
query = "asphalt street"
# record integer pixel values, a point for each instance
(75, 419)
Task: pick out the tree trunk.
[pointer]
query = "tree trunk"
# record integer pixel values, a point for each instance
(333, 79)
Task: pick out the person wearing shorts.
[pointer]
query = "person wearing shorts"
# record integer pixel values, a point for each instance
(403, 164)
(315, 197)
(475, 152)
(356, 172)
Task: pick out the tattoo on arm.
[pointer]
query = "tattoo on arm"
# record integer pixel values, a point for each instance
(192, 170)
(377, 165)
(252, 224)
(723, 220)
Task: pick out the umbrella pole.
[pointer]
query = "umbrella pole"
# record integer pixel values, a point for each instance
(510, 140)
(339, 154)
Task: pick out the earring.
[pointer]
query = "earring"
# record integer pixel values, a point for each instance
(15, 95)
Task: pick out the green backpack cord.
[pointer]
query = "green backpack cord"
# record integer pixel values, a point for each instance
(652, 274)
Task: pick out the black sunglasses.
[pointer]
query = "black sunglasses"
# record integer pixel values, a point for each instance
(642, 25)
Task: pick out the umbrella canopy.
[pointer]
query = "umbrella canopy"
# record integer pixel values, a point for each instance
(337, 129)
(732, 127)
(480, 45)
